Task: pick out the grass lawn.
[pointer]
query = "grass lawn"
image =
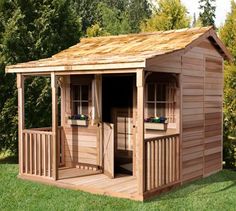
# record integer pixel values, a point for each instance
(217, 192)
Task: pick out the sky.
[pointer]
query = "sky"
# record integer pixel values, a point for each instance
(222, 7)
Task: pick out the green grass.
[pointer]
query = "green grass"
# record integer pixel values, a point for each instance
(217, 192)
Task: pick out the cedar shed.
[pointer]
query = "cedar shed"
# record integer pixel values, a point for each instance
(140, 113)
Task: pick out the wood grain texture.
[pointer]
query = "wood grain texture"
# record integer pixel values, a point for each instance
(21, 120)
(162, 163)
(202, 83)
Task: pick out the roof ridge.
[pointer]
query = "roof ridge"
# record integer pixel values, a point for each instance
(148, 33)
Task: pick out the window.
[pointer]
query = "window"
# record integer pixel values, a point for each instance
(81, 99)
(160, 101)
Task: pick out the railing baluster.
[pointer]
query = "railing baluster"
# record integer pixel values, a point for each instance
(162, 161)
(171, 159)
(152, 152)
(159, 162)
(31, 164)
(156, 163)
(148, 165)
(44, 155)
(26, 153)
(49, 154)
(178, 158)
(37, 152)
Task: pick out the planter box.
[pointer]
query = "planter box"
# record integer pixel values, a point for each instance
(155, 126)
(77, 122)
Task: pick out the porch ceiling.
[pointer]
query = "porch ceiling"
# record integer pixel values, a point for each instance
(120, 52)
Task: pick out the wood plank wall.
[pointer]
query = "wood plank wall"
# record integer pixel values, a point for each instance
(213, 98)
(202, 88)
(192, 115)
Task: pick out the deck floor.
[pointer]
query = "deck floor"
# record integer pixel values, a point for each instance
(124, 186)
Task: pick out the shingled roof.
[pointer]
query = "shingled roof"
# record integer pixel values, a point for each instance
(124, 49)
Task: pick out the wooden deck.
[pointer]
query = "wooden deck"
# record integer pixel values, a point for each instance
(123, 186)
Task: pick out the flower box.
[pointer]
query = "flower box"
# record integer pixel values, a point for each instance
(79, 119)
(77, 122)
(155, 126)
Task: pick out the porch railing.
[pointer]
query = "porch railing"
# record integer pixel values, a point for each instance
(162, 161)
(37, 151)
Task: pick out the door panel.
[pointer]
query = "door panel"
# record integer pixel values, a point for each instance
(124, 129)
(108, 149)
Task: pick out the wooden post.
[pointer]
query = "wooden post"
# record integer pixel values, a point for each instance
(54, 126)
(140, 131)
(21, 119)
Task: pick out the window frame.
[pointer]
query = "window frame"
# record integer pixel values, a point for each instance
(169, 105)
(80, 101)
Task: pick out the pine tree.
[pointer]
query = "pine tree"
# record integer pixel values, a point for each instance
(207, 14)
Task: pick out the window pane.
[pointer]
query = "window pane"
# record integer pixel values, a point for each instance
(84, 92)
(76, 90)
(161, 92)
(85, 108)
(151, 91)
(160, 109)
(151, 112)
(76, 108)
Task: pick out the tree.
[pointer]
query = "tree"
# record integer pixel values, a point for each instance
(29, 31)
(207, 14)
(95, 31)
(127, 15)
(229, 113)
(170, 14)
(228, 30)
(122, 17)
(228, 35)
(137, 11)
(194, 20)
(86, 11)
(112, 20)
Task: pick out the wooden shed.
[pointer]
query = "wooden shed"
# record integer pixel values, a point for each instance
(139, 114)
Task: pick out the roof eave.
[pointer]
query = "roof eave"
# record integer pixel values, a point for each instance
(81, 68)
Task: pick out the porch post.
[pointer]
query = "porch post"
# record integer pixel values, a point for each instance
(54, 125)
(140, 130)
(21, 118)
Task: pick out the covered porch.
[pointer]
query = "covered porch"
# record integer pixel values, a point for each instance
(150, 158)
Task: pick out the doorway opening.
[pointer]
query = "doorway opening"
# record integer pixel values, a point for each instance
(117, 109)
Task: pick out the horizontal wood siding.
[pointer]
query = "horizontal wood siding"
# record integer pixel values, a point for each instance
(165, 64)
(201, 115)
(213, 115)
(192, 115)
